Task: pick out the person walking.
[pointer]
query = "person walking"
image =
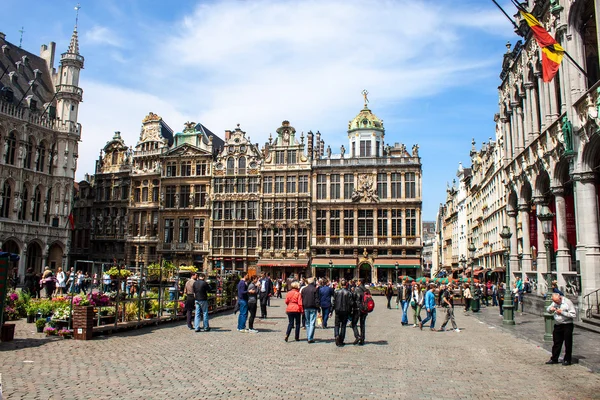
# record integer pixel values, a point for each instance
(389, 293)
(266, 290)
(343, 305)
(325, 294)
(564, 313)
(242, 290)
(30, 282)
(61, 282)
(467, 296)
(358, 314)
(417, 298)
(311, 303)
(429, 304)
(201, 289)
(106, 282)
(501, 292)
(494, 295)
(278, 285)
(293, 300)
(253, 289)
(448, 304)
(190, 299)
(48, 281)
(405, 296)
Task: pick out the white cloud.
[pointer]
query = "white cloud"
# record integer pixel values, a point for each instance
(258, 63)
(101, 35)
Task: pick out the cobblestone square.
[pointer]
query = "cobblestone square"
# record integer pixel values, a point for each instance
(170, 361)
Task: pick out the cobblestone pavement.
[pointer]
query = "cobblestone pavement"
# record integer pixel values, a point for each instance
(172, 362)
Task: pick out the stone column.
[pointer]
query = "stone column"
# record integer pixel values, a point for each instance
(524, 217)
(563, 256)
(526, 99)
(554, 106)
(514, 256)
(542, 266)
(588, 245)
(517, 125)
(507, 138)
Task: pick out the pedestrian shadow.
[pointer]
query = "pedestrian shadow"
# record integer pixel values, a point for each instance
(378, 343)
(267, 330)
(16, 344)
(213, 329)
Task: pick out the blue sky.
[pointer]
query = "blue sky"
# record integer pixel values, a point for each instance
(431, 68)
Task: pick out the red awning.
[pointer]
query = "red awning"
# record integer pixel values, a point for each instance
(283, 263)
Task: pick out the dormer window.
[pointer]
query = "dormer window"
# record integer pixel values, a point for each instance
(230, 166)
(279, 157)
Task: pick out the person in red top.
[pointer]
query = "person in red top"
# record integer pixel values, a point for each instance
(294, 310)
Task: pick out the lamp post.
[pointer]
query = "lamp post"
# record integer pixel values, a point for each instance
(330, 269)
(396, 266)
(546, 217)
(508, 313)
(475, 299)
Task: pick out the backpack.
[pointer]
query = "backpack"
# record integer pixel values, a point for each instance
(368, 304)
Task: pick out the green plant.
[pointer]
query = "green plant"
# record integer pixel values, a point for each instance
(40, 323)
(131, 311)
(115, 272)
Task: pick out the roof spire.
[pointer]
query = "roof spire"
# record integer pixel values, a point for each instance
(22, 30)
(74, 45)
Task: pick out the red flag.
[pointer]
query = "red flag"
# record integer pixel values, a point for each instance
(552, 52)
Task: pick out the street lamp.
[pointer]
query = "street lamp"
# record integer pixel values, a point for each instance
(396, 266)
(330, 269)
(546, 216)
(508, 313)
(475, 299)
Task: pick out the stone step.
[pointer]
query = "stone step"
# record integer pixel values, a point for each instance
(596, 316)
(591, 321)
(587, 326)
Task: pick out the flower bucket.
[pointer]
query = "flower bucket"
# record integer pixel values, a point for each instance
(8, 332)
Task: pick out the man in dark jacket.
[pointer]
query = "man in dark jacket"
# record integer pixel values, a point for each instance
(266, 289)
(201, 289)
(325, 294)
(358, 315)
(311, 303)
(343, 304)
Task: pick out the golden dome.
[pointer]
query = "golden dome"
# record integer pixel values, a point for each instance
(366, 120)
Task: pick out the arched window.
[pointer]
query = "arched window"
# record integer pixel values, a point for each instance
(37, 202)
(6, 198)
(230, 165)
(242, 166)
(48, 205)
(9, 149)
(51, 159)
(28, 154)
(23, 208)
(41, 156)
(115, 157)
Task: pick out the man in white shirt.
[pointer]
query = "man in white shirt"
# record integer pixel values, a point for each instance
(564, 313)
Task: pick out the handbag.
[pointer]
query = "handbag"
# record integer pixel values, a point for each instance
(413, 304)
(319, 320)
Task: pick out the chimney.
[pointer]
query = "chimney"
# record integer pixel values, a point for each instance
(2, 35)
(227, 135)
(309, 144)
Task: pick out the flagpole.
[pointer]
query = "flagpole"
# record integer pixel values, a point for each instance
(520, 32)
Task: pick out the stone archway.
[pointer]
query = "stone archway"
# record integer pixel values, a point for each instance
(55, 256)
(34, 258)
(365, 271)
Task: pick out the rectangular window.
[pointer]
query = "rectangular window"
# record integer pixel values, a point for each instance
(334, 187)
(291, 184)
(396, 185)
(268, 184)
(171, 169)
(377, 148)
(228, 211)
(217, 238)
(155, 194)
(266, 239)
(186, 168)
(365, 223)
(290, 239)
(136, 223)
(365, 148)
(409, 185)
(170, 192)
(218, 210)
(198, 230)
(252, 185)
(252, 210)
(201, 168)
(136, 195)
(279, 210)
(228, 238)
(184, 196)
(303, 184)
(184, 230)
(278, 238)
(240, 239)
(321, 186)
(382, 186)
(291, 157)
(349, 223)
(382, 223)
(251, 241)
(169, 228)
(396, 222)
(279, 185)
(303, 210)
(302, 238)
(279, 157)
(290, 210)
(241, 185)
(229, 185)
(199, 195)
(125, 192)
(411, 222)
(218, 185)
(321, 222)
(267, 210)
(348, 186)
(240, 210)
(334, 223)
(353, 152)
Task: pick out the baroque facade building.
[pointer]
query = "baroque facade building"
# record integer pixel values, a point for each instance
(39, 136)
(548, 142)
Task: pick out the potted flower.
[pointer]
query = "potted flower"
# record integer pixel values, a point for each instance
(65, 333)
(31, 311)
(50, 331)
(40, 324)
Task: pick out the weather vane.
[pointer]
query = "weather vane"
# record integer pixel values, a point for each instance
(21, 40)
(77, 8)
(365, 94)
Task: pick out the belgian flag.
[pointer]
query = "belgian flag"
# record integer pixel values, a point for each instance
(552, 52)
